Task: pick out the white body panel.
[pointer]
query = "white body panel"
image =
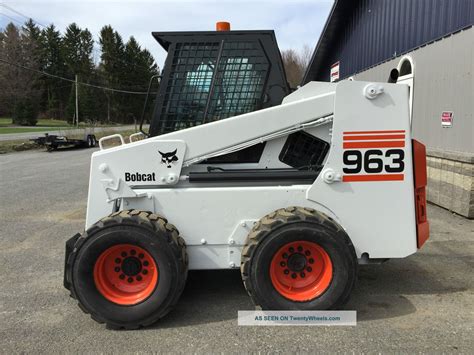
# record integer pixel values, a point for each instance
(379, 216)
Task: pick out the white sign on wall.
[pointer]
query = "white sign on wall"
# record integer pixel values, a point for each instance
(446, 119)
(335, 72)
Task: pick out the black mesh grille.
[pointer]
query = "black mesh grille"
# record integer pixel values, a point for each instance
(303, 151)
(198, 92)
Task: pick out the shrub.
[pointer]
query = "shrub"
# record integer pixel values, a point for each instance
(25, 112)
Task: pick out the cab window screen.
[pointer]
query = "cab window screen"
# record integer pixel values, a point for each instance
(210, 81)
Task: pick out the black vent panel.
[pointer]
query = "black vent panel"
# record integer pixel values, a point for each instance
(303, 151)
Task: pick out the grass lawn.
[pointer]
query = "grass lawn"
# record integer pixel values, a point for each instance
(6, 130)
(43, 125)
(5, 122)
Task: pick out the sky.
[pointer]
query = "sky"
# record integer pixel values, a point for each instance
(295, 22)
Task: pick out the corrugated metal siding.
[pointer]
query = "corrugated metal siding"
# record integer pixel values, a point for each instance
(443, 81)
(378, 30)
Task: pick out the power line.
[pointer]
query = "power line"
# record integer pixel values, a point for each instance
(13, 19)
(21, 14)
(73, 81)
(97, 52)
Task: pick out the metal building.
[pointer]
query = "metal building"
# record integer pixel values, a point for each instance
(431, 43)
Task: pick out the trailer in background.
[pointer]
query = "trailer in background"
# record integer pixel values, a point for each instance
(53, 142)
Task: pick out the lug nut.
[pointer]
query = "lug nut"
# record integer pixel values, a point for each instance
(286, 272)
(309, 269)
(302, 274)
(118, 260)
(285, 255)
(141, 256)
(130, 279)
(292, 250)
(146, 263)
(300, 248)
(311, 260)
(117, 269)
(293, 276)
(122, 276)
(144, 272)
(307, 253)
(282, 264)
(139, 278)
(133, 252)
(124, 254)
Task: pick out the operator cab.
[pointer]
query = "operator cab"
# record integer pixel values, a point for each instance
(212, 75)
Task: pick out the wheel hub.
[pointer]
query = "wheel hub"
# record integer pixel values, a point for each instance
(296, 262)
(131, 266)
(125, 274)
(301, 270)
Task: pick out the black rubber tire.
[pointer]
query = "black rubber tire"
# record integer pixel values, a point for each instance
(291, 224)
(52, 147)
(94, 141)
(89, 141)
(148, 231)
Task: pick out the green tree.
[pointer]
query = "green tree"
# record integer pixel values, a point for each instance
(77, 50)
(25, 112)
(56, 91)
(124, 66)
(77, 46)
(20, 90)
(32, 34)
(139, 68)
(112, 68)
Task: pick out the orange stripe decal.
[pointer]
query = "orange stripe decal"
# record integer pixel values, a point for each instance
(378, 177)
(381, 144)
(374, 132)
(374, 137)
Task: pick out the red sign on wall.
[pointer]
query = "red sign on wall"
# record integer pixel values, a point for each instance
(446, 119)
(335, 72)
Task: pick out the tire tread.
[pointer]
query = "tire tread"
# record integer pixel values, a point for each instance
(150, 221)
(278, 218)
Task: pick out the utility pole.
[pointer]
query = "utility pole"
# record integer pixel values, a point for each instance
(77, 105)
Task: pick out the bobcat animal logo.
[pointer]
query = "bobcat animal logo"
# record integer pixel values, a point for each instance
(168, 158)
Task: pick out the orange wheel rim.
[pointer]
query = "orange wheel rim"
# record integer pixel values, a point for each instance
(301, 271)
(125, 274)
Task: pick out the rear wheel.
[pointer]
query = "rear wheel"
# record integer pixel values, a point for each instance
(298, 258)
(128, 270)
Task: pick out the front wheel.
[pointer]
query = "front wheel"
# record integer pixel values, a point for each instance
(128, 270)
(298, 259)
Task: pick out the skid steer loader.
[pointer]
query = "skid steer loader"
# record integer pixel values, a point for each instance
(295, 193)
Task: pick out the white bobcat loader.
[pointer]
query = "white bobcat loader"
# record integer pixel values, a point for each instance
(295, 195)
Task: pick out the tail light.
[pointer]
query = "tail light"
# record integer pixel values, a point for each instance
(420, 177)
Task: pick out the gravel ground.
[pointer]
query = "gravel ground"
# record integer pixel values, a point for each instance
(423, 303)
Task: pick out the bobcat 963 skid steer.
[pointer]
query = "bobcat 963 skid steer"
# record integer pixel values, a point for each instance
(295, 193)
